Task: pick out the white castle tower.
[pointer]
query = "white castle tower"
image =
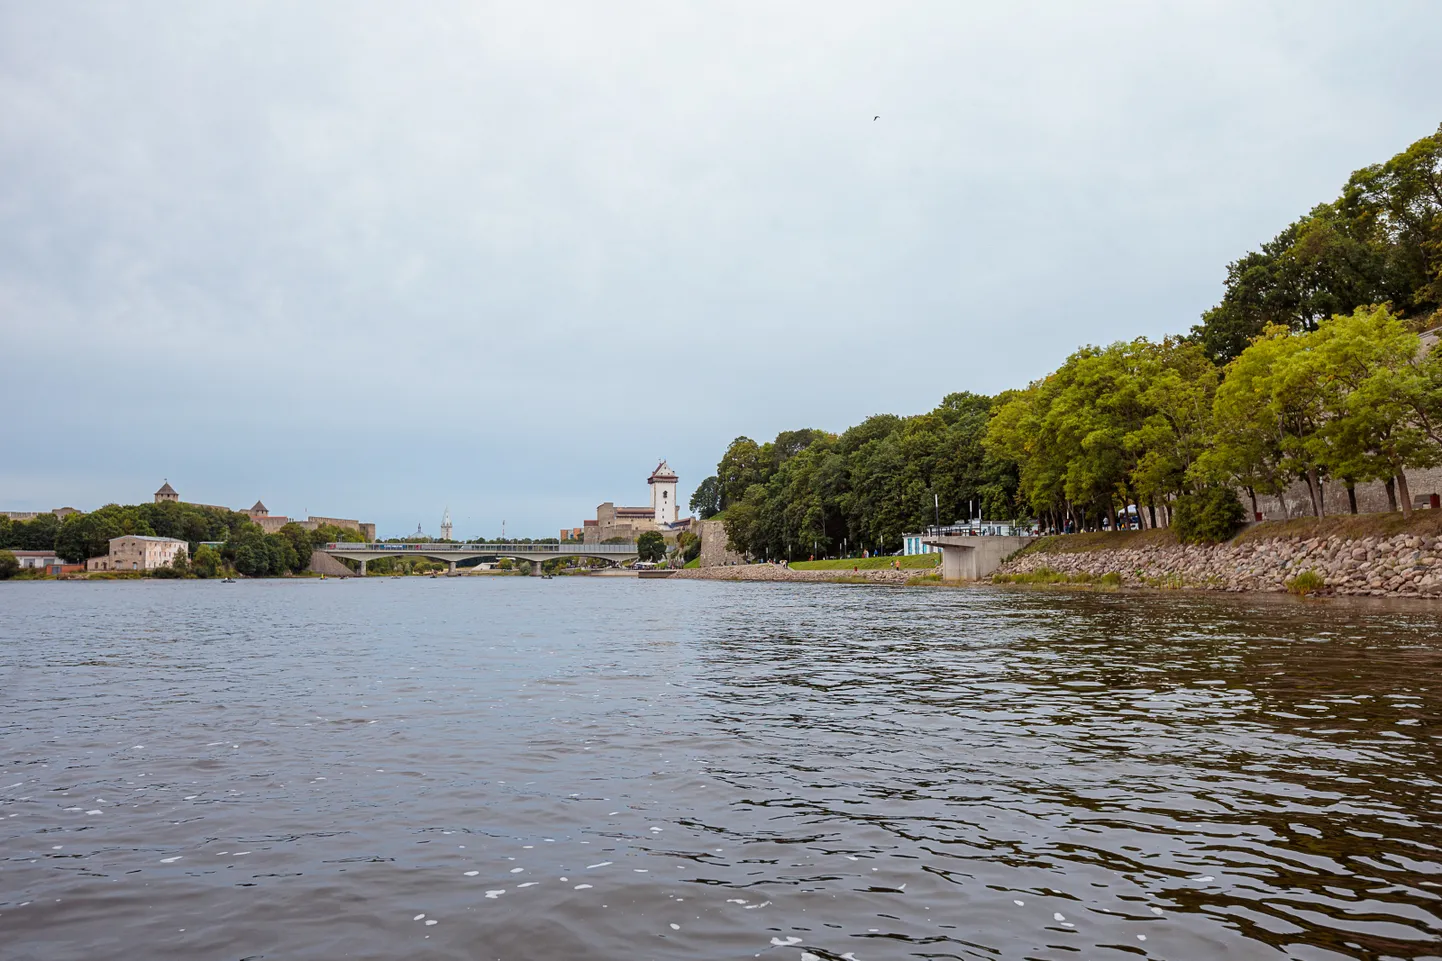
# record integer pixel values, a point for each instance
(663, 494)
(446, 524)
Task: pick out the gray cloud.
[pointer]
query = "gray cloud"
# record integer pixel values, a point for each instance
(367, 260)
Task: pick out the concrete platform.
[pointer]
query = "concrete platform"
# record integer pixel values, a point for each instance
(965, 558)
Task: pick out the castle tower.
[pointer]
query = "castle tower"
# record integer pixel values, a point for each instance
(663, 494)
(166, 493)
(446, 525)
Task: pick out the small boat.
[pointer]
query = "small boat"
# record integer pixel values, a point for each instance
(228, 580)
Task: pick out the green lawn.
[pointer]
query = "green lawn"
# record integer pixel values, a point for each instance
(909, 563)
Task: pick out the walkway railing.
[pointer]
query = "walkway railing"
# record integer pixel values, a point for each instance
(489, 548)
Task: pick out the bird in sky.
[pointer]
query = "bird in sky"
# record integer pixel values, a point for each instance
(876, 118)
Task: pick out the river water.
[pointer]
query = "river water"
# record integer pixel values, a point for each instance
(516, 768)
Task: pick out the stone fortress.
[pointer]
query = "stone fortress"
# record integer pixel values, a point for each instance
(270, 523)
(629, 523)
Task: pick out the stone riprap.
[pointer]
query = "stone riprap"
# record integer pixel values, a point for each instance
(1405, 565)
(775, 572)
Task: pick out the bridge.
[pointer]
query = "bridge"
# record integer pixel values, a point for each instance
(455, 553)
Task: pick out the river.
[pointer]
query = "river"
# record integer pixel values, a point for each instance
(517, 768)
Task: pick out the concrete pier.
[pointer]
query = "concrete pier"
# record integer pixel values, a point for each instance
(966, 558)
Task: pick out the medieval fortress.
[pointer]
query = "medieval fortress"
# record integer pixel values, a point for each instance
(628, 523)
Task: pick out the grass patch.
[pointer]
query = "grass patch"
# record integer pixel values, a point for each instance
(1101, 541)
(1354, 527)
(693, 563)
(912, 562)
(922, 580)
(1307, 582)
(1045, 575)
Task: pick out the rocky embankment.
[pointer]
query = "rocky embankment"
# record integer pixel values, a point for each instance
(1402, 565)
(775, 572)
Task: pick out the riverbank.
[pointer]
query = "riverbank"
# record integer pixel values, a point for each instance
(775, 572)
(1380, 555)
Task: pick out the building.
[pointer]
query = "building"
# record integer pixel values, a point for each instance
(446, 525)
(138, 552)
(629, 523)
(912, 543)
(261, 516)
(60, 512)
(663, 494)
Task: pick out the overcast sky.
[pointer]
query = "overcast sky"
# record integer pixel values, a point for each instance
(374, 259)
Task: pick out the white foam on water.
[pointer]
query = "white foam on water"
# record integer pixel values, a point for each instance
(752, 907)
(240, 854)
(418, 917)
(517, 870)
(786, 942)
(735, 900)
(92, 812)
(1020, 904)
(171, 860)
(601, 865)
(495, 894)
(528, 884)
(1141, 937)
(582, 887)
(675, 927)
(471, 874)
(430, 921)
(191, 797)
(611, 815)
(1059, 916)
(1205, 877)
(642, 870)
(808, 956)
(1157, 911)
(57, 847)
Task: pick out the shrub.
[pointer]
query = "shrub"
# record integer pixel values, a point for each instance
(1111, 579)
(1307, 582)
(9, 565)
(1208, 516)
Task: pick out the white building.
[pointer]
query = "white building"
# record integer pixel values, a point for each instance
(37, 560)
(663, 494)
(138, 552)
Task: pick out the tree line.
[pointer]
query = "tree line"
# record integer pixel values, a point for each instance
(1310, 369)
(245, 547)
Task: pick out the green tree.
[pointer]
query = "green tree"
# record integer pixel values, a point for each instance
(740, 467)
(651, 546)
(9, 565)
(706, 500)
(207, 561)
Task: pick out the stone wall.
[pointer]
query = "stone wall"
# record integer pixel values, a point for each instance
(1404, 565)
(713, 545)
(1371, 496)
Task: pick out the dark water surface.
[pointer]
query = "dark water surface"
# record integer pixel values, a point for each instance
(614, 769)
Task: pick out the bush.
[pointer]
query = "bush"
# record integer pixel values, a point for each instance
(1208, 516)
(9, 565)
(1307, 582)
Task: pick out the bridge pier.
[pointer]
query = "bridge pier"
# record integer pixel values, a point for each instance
(453, 568)
(362, 567)
(536, 568)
